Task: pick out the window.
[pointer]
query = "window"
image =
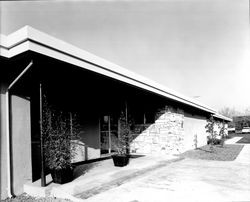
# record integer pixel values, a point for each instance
(138, 117)
(149, 117)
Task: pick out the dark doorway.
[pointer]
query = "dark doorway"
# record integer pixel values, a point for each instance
(35, 137)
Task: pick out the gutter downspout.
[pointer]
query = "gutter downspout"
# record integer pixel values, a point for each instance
(9, 176)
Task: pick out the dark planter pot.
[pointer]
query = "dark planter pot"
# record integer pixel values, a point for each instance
(62, 176)
(120, 160)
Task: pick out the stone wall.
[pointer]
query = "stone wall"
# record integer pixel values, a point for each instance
(165, 136)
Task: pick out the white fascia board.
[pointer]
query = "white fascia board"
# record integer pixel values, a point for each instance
(225, 118)
(8, 53)
(217, 115)
(3, 40)
(74, 61)
(60, 45)
(47, 45)
(3, 45)
(19, 49)
(17, 37)
(4, 52)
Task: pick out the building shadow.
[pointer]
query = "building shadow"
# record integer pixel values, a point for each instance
(135, 156)
(80, 168)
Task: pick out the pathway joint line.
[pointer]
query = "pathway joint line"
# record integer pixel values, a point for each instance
(118, 182)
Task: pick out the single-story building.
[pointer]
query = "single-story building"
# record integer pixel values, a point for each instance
(34, 64)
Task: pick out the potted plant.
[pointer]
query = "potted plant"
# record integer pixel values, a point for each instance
(120, 158)
(121, 144)
(60, 131)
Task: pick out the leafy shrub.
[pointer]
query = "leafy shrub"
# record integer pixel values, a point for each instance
(60, 130)
(210, 129)
(122, 143)
(214, 141)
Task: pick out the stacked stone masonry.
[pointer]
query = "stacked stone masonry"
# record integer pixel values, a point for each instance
(165, 136)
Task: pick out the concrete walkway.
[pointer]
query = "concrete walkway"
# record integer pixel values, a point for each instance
(244, 156)
(233, 140)
(104, 176)
(187, 180)
(165, 178)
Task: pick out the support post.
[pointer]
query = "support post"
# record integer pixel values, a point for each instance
(43, 177)
(8, 128)
(126, 116)
(71, 123)
(109, 134)
(126, 111)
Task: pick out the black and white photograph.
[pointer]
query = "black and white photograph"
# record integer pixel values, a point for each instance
(125, 101)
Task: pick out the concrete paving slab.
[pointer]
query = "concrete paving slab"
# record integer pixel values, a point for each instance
(105, 175)
(244, 156)
(233, 140)
(35, 189)
(152, 178)
(187, 180)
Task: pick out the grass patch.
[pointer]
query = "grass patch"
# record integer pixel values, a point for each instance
(228, 152)
(245, 139)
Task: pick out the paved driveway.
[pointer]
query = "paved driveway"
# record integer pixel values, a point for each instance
(188, 180)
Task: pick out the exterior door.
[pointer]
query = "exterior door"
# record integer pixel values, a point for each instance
(109, 133)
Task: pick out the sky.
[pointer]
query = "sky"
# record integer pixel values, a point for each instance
(200, 48)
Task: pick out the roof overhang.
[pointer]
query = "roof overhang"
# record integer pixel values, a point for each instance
(30, 39)
(224, 118)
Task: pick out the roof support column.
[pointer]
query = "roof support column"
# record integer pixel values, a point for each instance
(8, 126)
(43, 177)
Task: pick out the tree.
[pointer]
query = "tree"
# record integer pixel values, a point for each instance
(247, 111)
(210, 129)
(222, 132)
(229, 112)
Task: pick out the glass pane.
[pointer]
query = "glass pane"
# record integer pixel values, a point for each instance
(105, 123)
(104, 142)
(114, 138)
(113, 123)
(114, 127)
(108, 125)
(104, 127)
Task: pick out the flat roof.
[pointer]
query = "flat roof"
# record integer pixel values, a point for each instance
(219, 116)
(28, 38)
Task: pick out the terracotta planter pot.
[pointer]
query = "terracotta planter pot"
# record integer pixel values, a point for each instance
(62, 176)
(120, 160)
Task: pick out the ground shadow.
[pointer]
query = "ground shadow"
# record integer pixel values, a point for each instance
(80, 168)
(205, 150)
(135, 156)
